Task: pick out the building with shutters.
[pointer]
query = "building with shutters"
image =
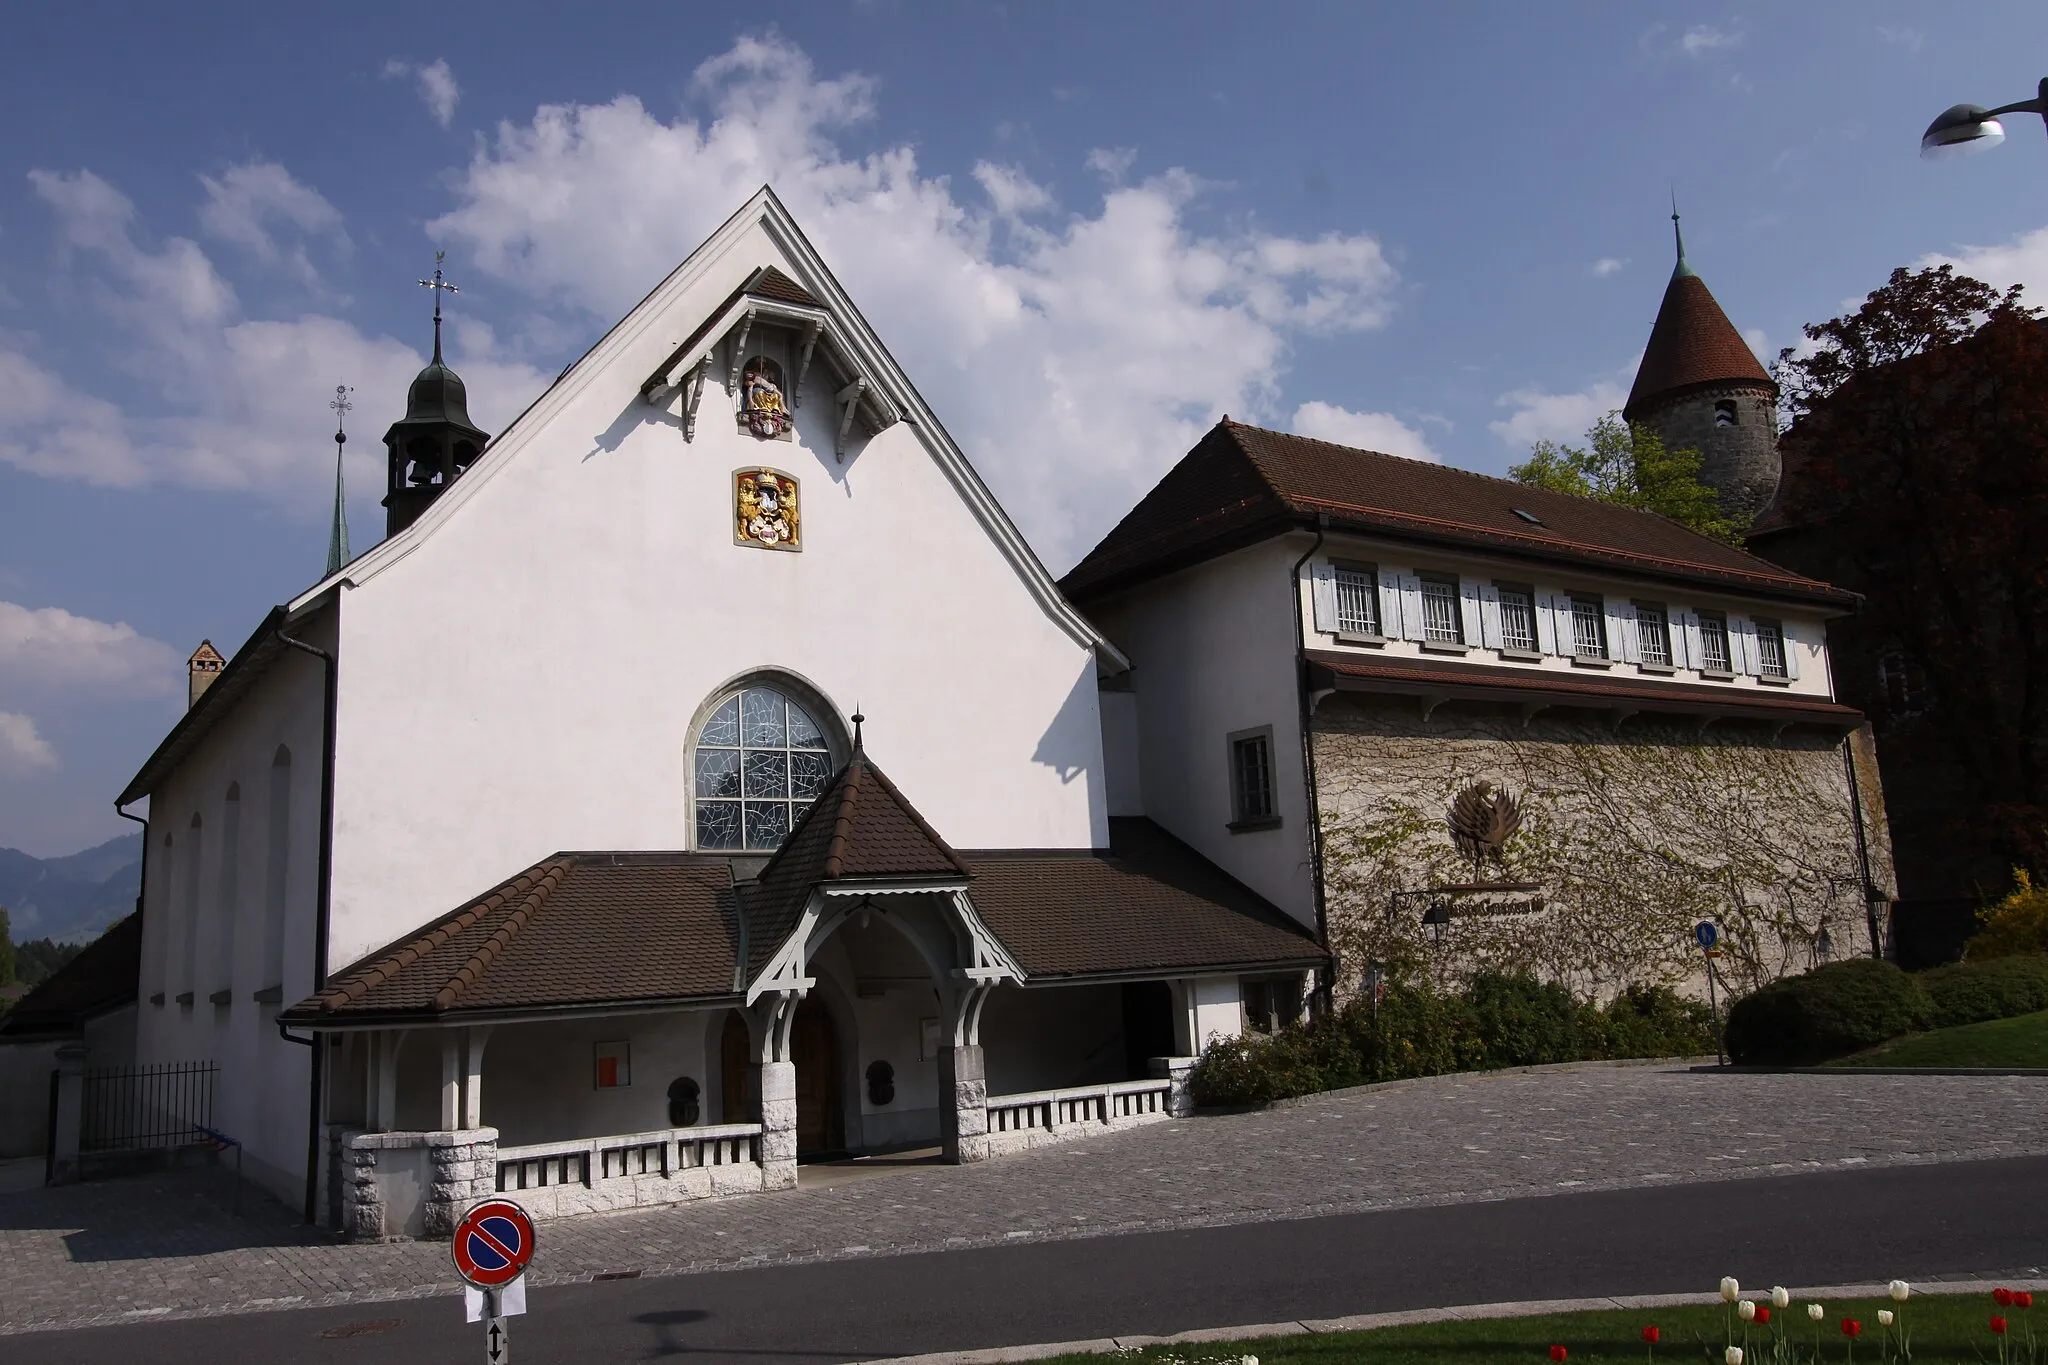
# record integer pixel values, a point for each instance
(1333, 649)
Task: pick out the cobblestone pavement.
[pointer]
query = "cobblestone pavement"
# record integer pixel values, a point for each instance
(121, 1251)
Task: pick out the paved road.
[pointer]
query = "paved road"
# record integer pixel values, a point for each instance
(1985, 1218)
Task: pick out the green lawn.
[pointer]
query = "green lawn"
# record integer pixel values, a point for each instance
(1944, 1329)
(2019, 1041)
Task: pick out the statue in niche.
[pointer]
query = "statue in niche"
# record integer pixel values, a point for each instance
(762, 406)
(765, 510)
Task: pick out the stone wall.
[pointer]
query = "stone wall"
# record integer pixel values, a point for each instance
(1633, 834)
(406, 1186)
(1740, 462)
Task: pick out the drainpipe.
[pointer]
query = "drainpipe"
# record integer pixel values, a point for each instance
(141, 893)
(322, 904)
(1325, 975)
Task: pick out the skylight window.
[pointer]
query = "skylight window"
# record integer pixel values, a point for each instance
(1529, 517)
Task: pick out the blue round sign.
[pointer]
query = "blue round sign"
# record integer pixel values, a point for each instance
(1706, 934)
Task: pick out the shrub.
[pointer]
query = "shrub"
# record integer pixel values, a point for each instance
(1526, 1022)
(1829, 1012)
(1416, 1031)
(2017, 924)
(1994, 988)
(1256, 1069)
(1656, 1021)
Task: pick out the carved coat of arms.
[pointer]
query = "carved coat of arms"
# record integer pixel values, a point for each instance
(762, 406)
(765, 510)
(1482, 820)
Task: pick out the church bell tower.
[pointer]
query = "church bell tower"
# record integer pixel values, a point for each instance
(435, 441)
(1701, 388)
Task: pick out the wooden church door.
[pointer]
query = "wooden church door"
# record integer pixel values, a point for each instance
(814, 1047)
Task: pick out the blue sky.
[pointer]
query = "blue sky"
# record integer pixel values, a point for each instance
(1086, 230)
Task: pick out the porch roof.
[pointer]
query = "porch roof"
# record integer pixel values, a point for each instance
(101, 978)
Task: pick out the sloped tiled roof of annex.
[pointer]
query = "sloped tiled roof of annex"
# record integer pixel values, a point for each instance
(1149, 903)
(860, 828)
(1242, 484)
(1692, 345)
(577, 929)
(102, 977)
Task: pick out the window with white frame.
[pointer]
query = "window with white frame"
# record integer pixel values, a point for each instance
(1251, 779)
(1358, 601)
(1440, 623)
(1517, 620)
(1770, 649)
(1653, 630)
(1714, 642)
(1271, 1003)
(1589, 627)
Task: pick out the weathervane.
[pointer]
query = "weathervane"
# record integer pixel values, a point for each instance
(438, 284)
(337, 539)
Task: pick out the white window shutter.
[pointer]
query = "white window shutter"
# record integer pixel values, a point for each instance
(1390, 604)
(1489, 615)
(1567, 634)
(1687, 639)
(1411, 607)
(1468, 610)
(1546, 635)
(1622, 641)
(1791, 648)
(1743, 632)
(1323, 592)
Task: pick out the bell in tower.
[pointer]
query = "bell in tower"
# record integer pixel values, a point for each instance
(435, 441)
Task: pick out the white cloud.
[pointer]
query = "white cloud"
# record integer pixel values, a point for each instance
(49, 648)
(2022, 261)
(248, 200)
(22, 749)
(1540, 416)
(1910, 39)
(1381, 431)
(1701, 39)
(1609, 265)
(1074, 358)
(436, 83)
(1759, 344)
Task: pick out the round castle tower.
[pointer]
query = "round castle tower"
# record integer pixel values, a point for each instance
(1701, 388)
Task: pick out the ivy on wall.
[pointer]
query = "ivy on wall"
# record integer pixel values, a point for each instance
(1634, 833)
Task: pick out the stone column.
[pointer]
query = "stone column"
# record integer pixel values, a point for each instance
(465, 1170)
(963, 1104)
(1179, 1102)
(778, 1124)
(68, 1115)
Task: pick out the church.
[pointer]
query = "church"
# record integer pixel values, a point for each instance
(644, 815)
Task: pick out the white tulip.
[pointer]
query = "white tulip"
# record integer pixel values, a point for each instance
(1733, 1355)
(1781, 1297)
(1900, 1289)
(1729, 1289)
(1815, 1311)
(1746, 1311)
(1884, 1317)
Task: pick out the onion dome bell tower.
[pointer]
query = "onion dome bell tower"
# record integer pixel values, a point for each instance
(1701, 388)
(435, 441)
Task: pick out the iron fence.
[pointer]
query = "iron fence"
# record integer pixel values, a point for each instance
(133, 1108)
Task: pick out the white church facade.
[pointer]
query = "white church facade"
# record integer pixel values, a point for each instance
(473, 867)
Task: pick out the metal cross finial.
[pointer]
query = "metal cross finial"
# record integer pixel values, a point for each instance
(342, 408)
(438, 285)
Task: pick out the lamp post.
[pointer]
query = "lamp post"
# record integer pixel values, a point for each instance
(1963, 128)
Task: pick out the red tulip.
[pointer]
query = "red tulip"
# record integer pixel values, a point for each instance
(1557, 1354)
(2022, 1299)
(1763, 1315)
(1851, 1327)
(2002, 1297)
(1650, 1334)
(1998, 1326)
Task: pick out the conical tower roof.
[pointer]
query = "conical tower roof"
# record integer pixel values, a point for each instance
(1693, 344)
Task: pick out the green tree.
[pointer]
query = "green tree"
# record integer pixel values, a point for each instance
(1628, 464)
(6, 949)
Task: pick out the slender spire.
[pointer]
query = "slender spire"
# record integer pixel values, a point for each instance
(1678, 237)
(858, 719)
(337, 537)
(438, 285)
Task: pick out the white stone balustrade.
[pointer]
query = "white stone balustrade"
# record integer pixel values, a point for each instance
(632, 1170)
(1018, 1123)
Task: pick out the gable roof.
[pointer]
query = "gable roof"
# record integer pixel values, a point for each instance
(1242, 484)
(1692, 345)
(102, 977)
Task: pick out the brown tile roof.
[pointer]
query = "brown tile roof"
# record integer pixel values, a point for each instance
(102, 977)
(770, 283)
(1148, 904)
(1479, 682)
(861, 827)
(1243, 484)
(1692, 345)
(579, 929)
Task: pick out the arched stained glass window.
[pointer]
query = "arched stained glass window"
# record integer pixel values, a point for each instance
(760, 762)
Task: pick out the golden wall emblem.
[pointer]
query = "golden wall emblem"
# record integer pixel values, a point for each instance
(765, 510)
(1482, 820)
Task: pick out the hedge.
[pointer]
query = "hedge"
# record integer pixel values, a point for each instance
(1973, 991)
(1829, 1012)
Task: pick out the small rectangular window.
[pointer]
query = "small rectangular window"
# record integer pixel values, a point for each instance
(1251, 778)
(1653, 631)
(1440, 624)
(1517, 620)
(1271, 1003)
(1589, 627)
(1358, 602)
(1714, 642)
(1770, 648)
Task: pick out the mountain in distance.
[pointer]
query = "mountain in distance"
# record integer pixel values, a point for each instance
(74, 898)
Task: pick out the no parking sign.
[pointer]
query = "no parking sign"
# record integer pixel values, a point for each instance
(491, 1247)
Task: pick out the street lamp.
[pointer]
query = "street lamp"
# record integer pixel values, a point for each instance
(1964, 128)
